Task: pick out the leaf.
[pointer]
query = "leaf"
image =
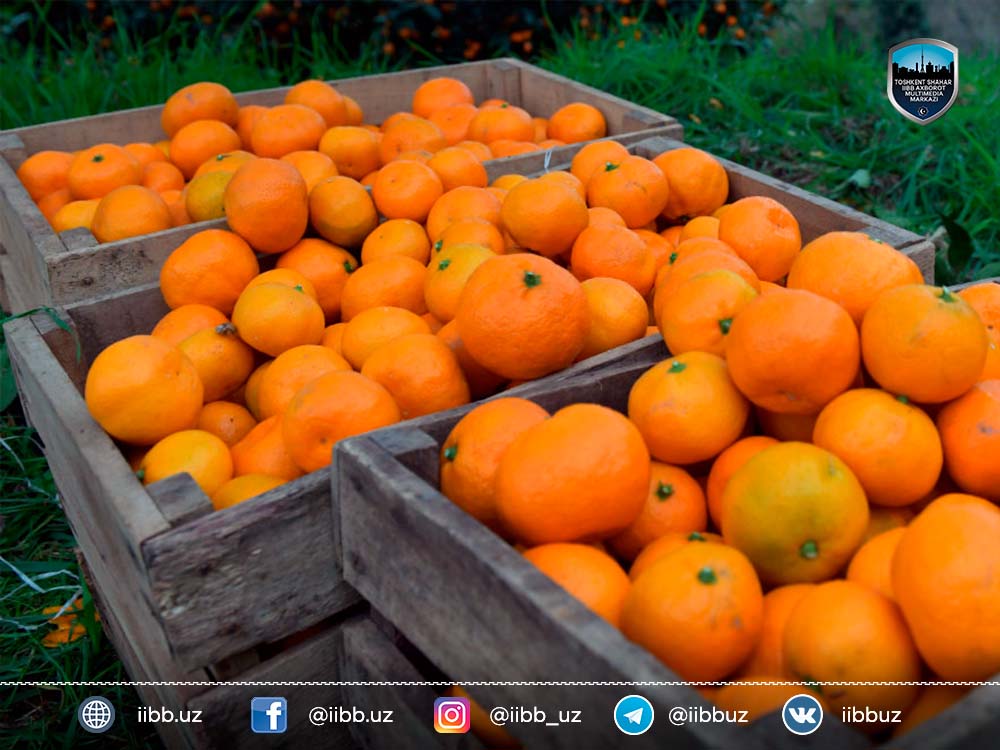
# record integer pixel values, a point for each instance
(959, 243)
(862, 178)
(988, 271)
(943, 275)
(8, 388)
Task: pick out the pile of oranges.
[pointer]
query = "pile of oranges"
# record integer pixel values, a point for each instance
(140, 188)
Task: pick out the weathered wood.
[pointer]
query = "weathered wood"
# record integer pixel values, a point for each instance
(179, 499)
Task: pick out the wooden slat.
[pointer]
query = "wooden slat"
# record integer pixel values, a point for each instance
(179, 499)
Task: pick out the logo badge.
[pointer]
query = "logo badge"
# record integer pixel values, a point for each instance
(451, 716)
(96, 714)
(802, 714)
(268, 715)
(633, 715)
(923, 78)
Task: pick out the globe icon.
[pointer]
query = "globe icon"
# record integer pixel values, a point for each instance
(96, 714)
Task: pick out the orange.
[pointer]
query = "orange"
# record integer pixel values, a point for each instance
(199, 141)
(544, 216)
(456, 167)
(266, 203)
(161, 176)
(906, 333)
(286, 277)
(471, 454)
(698, 610)
(700, 313)
(786, 426)
(74, 215)
(890, 445)
(507, 181)
(670, 277)
(600, 215)
(596, 156)
(326, 266)
(522, 316)
(851, 269)
(141, 389)
(454, 122)
(287, 128)
(555, 479)
(694, 245)
(395, 118)
(52, 203)
(841, 631)
(576, 122)
(615, 252)
(333, 407)
(228, 161)
(438, 93)
(406, 190)
(209, 268)
(392, 281)
(932, 700)
(45, 172)
(549, 143)
(375, 327)
(251, 389)
(204, 196)
(872, 563)
(725, 465)
(796, 511)
(263, 451)
(700, 226)
(290, 371)
(699, 184)
(793, 352)
(186, 321)
(342, 211)
(633, 187)
(227, 421)
(273, 318)
(96, 171)
(312, 165)
(421, 374)
(355, 116)
(223, 361)
(541, 128)
(687, 408)
(460, 204)
(199, 101)
(660, 247)
(354, 150)
(418, 154)
(985, 300)
(201, 454)
(588, 574)
(504, 147)
(768, 656)
(883, 519)
(970, 434)
(674, 503)
(397, 237)
(480, 150)
(246, 119)
(503, 122)
(617, 314)
(323, 98)
(175, 205)
(243, 488)
(447, 276)
(333, 337)
(763, 233)
(414, 134)
(756, 701)
(664, 545)
(471, 231)
(482, 382)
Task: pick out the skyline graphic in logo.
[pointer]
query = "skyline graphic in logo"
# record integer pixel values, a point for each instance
(923, 78)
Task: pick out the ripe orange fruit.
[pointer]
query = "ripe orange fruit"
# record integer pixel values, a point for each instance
(246, 119)
(904, 336)
(599, 215)
(480, 150)
(454, 122)
(342, 211)
(145, 153)
(45, 172)
(841, 631)
(555, 479)
(286, 277)
(473, 232)
(333, 337)
(228, 161)
(970, 434)
(421, 374)
(251, 389)
(186, 321)
(891, 446)
(883, 519)
(162, 176)
(588, 574)
(797, 511)
(670, 277)
(664, 545)
(222, 360)
(414, 134)
(326, 266)
(674, 502)
(287, 128)
(353, 150)
(397, 237)
(198, 142)
(438, 93)
(141, 389)
(793, 352)
(595, 157)
(660, 247)
(522, 316)
(373, 328)
(762, 232)
(698, 183)
(447, 276)
(544, 217)
(699, 227)
(273, 318)
(204, 196)
(614, 252)
(75, 214)
(768, 656)
(872, 563)
(576, 122)
(482, 382)
(201, 454)
(312, 165)
(786, 426)
(700, 313)
(393, 281)
(406, 190)
(290, 371)
(633, 187)
(457, 167)
(209, 268)
(227, 421)
(243, 488)
(698, 610)
(267, 205)
(687, 408)
(541, 128)
(505, 182)
(851, 269)
(460, 204)
(503, 122)
(617, 314)
(985, 300)
(725, 465)
(263, 451)
(199, 101)
(323, 98)
(52, 203)
(355, 116)
(470, 455)
(333, 407)
(96, 171)
(695, 245)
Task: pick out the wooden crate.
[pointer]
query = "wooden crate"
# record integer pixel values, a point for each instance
(478, 611)
(46, 268)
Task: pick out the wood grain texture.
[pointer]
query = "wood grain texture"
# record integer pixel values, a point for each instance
(179, 499)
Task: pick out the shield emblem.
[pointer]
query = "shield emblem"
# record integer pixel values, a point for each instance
(923, 78)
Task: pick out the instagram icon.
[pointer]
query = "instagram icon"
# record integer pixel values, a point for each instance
(451, 716)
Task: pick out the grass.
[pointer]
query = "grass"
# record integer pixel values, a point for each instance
(811, 110)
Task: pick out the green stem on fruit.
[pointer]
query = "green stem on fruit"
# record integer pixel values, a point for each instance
(663, 491)
(532, 279)
(677, 366)
(809, 550)
(707, 575)
(450, 452)
(724, 325)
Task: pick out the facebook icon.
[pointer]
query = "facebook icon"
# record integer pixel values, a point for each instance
(268, 715)
(802, 714)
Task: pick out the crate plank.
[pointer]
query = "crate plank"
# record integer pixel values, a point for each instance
(179, 499)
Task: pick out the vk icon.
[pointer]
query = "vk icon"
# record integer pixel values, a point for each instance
(633, 714)
(802, 714)
(268, 715)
